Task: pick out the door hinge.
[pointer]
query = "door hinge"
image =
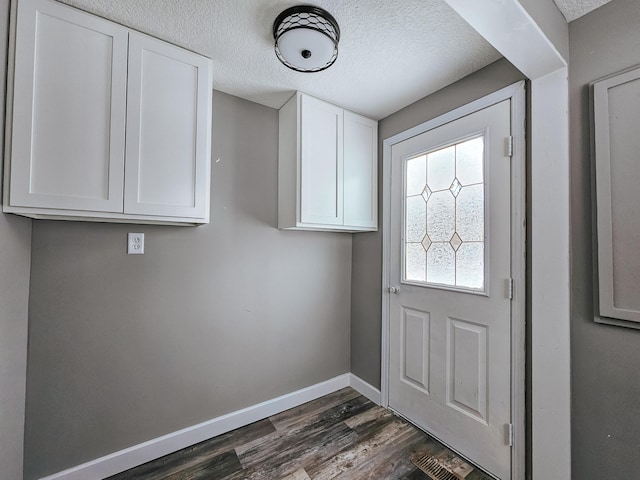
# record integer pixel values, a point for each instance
(509, 434)
(509, 146)
(510, 288)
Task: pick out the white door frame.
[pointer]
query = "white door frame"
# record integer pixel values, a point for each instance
(516, 93)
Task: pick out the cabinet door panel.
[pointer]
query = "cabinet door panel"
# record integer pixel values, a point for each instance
(168, 130)
(69, 109)
(321, 163)
(360, 171)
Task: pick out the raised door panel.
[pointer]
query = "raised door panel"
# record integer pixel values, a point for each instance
(321, 163)
(467, 376)
(415, 349)
(168, 130)
(360, 171)
(68, 112)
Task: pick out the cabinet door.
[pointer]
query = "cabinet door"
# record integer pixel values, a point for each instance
(360, 171)
(67, 139)
(321, 163)
(168, 130)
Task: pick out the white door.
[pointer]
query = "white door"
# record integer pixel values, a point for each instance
(69, 99)
(450, 269)
(360, 171)
(168, 130)
(321, 163)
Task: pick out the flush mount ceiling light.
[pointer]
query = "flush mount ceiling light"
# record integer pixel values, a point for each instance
(306, 38)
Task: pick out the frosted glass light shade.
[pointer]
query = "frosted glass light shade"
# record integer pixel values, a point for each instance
(296, 44)
(306, 38)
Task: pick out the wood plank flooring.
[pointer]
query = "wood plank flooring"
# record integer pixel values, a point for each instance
(341, 436)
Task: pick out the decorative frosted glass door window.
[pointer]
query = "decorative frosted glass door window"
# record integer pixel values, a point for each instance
(444, 221)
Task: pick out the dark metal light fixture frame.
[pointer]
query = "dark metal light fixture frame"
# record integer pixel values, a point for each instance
(306, 17)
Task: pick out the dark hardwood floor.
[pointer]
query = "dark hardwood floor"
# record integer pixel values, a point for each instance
(340, 436)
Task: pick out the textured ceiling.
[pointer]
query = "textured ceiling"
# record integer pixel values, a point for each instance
(572, 9)
(391, 52)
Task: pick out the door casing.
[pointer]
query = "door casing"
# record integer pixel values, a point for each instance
(515, 93)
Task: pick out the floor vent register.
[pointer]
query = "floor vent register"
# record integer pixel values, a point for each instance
(443, 466)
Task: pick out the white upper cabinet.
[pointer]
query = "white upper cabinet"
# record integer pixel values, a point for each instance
(78, 87)
(327, 172)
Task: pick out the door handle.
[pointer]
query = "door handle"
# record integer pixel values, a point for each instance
(395, 290)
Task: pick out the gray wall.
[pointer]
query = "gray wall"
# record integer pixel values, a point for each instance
(604, 359)
(366, 284)
(15, 251)
(123, 349)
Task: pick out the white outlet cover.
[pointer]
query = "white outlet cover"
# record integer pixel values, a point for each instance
(135, 243)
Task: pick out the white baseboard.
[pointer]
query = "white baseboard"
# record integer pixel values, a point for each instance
(158, 447)
(362, 387)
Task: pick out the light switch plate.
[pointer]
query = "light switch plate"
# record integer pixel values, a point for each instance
(135, 243)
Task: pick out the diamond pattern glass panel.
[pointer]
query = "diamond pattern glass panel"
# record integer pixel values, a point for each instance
(441, 168)
(470, 265)
(416, 175)
(455, 187)
(470, 213)
(426, 193)
(441, 264)
(416, 264)
(455, 242)
(426, 242)
(416, 219)
(445, 216)
(469, 161)
(441, 216)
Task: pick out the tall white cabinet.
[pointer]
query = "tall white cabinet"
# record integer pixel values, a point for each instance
(327, 168)
(104, 123)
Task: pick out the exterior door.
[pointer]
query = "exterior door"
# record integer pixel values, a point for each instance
(450, 271)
